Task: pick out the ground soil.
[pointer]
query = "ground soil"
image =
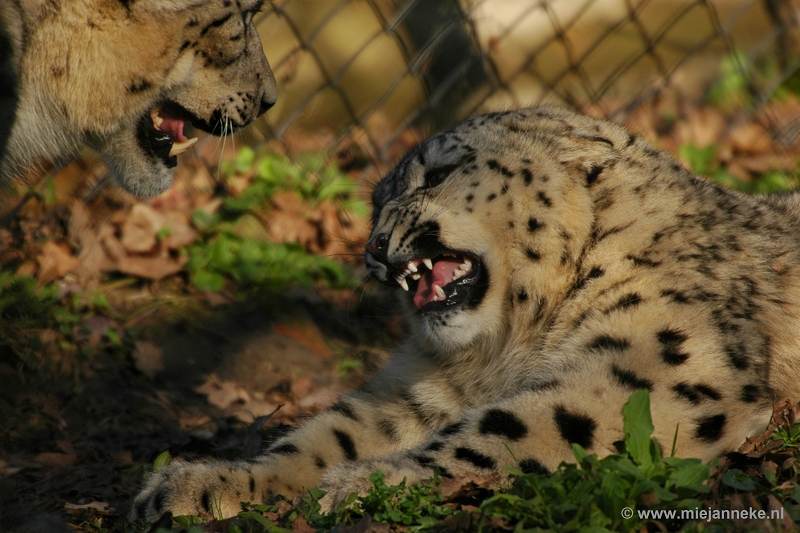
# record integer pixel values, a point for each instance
(85, 437)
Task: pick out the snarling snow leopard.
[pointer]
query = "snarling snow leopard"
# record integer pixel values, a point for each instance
(124, 77)
(550, 265)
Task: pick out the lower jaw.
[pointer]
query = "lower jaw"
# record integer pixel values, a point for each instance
(474, 292)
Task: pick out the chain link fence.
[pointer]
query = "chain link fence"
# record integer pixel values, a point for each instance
(365, 80)
(371, 69)
(362, 81)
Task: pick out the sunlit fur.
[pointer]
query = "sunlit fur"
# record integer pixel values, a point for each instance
(611, 269)
(88, 70)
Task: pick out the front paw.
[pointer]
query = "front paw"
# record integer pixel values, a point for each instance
(212, 490)
(343, 480)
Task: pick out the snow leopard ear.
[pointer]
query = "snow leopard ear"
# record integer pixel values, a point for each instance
(163, 5)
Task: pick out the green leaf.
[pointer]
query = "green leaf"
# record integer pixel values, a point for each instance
(700, 160)
(773, 182)
(101, 301)
(244, 159)
(112, 336)
(689, 474)
(737, 479)
(638, 426)
(203, 220)
(240, 205)
(258, 517)
(663, 494)
(208, 281)
(188, 520)
(579, 453)
(733, 88)
(163, 459)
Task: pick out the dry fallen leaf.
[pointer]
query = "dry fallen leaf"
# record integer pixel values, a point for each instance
(178, 231)
(254, 409)
(463, 486)
(288, 221)
(148, 358)
(320, 399)
(307, 333)
(144, 226)
(300, 525)
(302, 387)
(221, 393)
(97, 326)
(751, 138)
(153, 268)
(785, 412)
(140, 229)
(365, 525)
(56, 459)
(97, 506)
(702, 127)
(55, 261)
(458, 522)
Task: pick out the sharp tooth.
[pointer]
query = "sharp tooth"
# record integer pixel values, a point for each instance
(415, 276)
(428, 263)
(411, 267)
(157, 120)
(179, 148)
(401, 280)
(466, 265)
(439, 292)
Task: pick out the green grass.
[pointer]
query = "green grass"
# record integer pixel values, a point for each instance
(40, 329)
(589, 495)
(702, 161)
(233, 246)
(231, 251)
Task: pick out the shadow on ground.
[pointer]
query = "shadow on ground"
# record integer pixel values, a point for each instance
(193, 386)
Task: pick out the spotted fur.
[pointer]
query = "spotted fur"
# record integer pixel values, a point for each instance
(600, 267)
(87, 72)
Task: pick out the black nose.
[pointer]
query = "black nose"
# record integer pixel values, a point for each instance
(266, 103)
(377, 246)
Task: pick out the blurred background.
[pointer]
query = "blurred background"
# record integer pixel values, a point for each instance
(241, 288)
(362, 81)
(371, 69)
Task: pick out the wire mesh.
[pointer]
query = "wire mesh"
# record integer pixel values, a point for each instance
(374, 68)
(365, 80)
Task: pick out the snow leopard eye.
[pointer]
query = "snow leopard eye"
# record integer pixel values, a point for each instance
(435, 176)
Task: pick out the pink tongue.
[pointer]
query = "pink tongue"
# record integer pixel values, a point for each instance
(441, 275)
(173, 126)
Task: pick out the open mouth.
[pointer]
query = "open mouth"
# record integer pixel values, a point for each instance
(444, 281)
(160, 133)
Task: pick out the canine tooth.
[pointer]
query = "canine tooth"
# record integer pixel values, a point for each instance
(439, 292)
(157, 120)
(401, 280)
(411, 267)
(179, 148)
(428, 263)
